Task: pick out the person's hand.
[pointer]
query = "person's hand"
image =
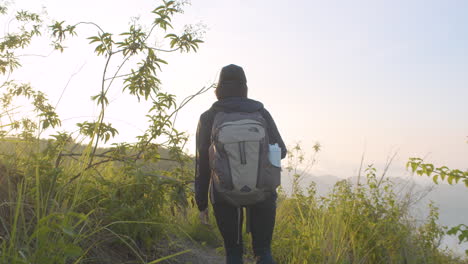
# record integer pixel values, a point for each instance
(204, 217)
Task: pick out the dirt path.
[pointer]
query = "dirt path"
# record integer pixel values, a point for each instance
(206, 256)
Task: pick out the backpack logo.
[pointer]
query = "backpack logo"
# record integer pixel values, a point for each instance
(245, 189)
(254, 129)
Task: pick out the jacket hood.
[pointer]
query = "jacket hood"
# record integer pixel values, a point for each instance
(232, 82)
(237, 104)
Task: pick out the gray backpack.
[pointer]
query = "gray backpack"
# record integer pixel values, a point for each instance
(240, 169)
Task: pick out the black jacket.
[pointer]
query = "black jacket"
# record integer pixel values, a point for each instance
(203, 140)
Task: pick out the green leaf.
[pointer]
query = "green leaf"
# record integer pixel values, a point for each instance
(69, 231)
(93, 39)
(72, 250)
(171, 36)
(429, 168)
(442, 175)
(434, 179)
(453, 230)
(450, 179)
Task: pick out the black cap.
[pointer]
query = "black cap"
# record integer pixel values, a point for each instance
(232, 82)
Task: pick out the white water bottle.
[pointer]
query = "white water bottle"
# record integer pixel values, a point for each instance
(274, 155)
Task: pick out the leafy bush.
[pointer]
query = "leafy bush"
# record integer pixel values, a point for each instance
(453, 176)
(363, 223)
(63, 202)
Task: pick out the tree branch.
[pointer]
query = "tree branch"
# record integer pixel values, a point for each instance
(90, 23)
(184, 102)
(101, 115)
(66, 85)
(164, 50)
(36, 55)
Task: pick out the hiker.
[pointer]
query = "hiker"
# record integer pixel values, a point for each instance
(228, 199)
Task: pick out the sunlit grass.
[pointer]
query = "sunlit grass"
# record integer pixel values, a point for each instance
(66, 214)
(121, 213)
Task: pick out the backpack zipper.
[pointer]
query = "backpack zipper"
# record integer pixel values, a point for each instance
(258, 123)
(243, 155)
(259, 169)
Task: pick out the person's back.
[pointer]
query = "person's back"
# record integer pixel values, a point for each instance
(232, 98)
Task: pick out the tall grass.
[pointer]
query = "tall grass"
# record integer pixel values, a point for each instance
(364, 223)
(66, 214)
(129, 212)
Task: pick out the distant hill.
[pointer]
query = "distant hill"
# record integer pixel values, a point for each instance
(15, 146)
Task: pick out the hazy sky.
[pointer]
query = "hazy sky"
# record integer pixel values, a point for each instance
(357, 76)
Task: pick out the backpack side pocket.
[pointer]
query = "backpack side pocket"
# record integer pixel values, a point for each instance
(270, 177)
(220, 167)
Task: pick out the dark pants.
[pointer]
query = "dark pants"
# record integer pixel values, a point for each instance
(262, 222)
